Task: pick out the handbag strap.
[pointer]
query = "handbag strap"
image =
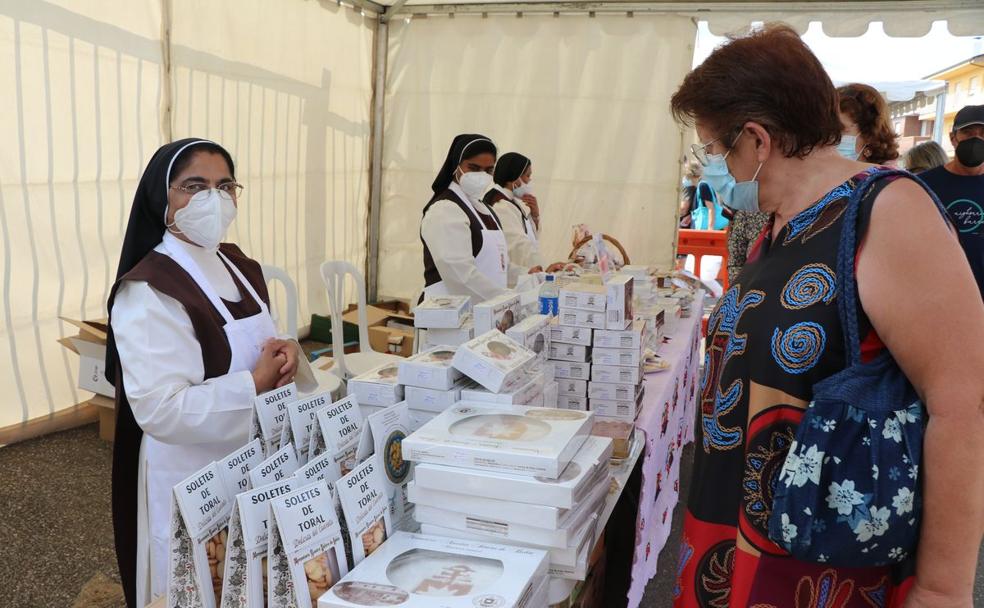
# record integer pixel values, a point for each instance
(847, 299)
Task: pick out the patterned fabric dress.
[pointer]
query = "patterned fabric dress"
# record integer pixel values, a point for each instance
(774, 334)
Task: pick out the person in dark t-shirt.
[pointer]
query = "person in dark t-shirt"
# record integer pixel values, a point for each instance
(959, 184)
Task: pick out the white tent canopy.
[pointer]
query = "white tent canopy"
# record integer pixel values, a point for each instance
(337, 117)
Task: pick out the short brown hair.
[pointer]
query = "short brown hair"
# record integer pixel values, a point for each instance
(867, 109)
(768, 76)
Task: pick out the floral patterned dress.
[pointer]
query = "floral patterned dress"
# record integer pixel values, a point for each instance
(774, 334)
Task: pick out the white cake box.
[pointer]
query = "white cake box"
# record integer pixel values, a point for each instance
(536, 516)
(378, 387)
(573, 317)
(429, 369)
(421, 571)
(569, 352)
(452, 337)
(419, 418)
(623, 357)
(566, 334)
(549, 370)
(444, 312)
(612, 392)
(567, 557)
(430, 400)
(506, 439)
(574, 484)
(584, 296)
(501, 312)
(499, 527)
(550, 394)
(579, 404)
(634, 337)
(524, 392)
(626, 410)
(533, 332)
(493, 360)
(572, 370)
(619, 302)
(616, 374)
(572, 388)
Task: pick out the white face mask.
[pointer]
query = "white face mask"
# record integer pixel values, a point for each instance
(206, 218)
(475, 184)
(523, 190)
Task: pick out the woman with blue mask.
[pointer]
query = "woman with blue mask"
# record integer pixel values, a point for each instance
(766, 113)
(867, 135)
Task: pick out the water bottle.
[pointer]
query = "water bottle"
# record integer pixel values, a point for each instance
(549, 297)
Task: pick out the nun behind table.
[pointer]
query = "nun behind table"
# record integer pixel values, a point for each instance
(465, 251)
(191, 344)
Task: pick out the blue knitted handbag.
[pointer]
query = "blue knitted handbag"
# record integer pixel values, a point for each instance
(849, 493)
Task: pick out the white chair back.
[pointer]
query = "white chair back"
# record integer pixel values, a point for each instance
(274, 274)
(334, 274)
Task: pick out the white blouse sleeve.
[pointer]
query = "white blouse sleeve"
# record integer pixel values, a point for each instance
(164, 374)
(445, 230)
(522, 254)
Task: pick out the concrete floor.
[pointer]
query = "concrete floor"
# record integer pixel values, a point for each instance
(56, 529)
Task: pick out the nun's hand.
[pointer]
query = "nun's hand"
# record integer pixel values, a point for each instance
(268, 366)
(535, 270)
(288, 349)
(534, 206)
(556, 266)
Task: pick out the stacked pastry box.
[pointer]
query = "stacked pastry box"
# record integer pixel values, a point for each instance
(431, 384)
(447, 319)
(528, 477)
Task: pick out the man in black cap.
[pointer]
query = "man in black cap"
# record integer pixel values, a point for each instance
(960, 185)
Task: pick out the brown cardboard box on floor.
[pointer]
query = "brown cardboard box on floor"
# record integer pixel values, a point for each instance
(90, 345)
(390, 326)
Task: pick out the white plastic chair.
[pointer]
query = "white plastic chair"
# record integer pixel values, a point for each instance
(273, 273)
(334, 274)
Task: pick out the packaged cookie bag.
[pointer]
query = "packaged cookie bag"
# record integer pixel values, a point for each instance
(366, 507)
(234, 468)
(301, 415)
(200, 509)
(280, 465)
(245, 574)
(269, 415)
(337, 428)
(307, 556)
(383, 434)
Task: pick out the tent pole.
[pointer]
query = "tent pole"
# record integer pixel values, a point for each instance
(376, 171)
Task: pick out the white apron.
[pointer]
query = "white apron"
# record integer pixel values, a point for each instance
(530, 229)
(162, 465)
(492, 259)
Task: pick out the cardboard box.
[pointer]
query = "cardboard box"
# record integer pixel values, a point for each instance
(441, 312)
(619, 431)
(616, 374)
(493, 360)
(567, 334)
(419, 418)
(619, 302)
(550, 394)
(620, 409)
(501, 313)
(572, 388)
(414, 570)
(430, 369)
(572, 370)
(452, 337)
(533, 332)
(435, 401)
(569, 352)
(378, 387)
(392, 340)
(90, 345)
(634, 337)
(612, 391)
(524, 392)
(577, 480)
(622, 357)
(584, 296)
(573, 317)
(577, 404)
(519, 440)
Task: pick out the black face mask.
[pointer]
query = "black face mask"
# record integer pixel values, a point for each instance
(970, 152)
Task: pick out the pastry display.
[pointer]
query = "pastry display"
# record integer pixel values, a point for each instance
(493, 360)
(441, 312)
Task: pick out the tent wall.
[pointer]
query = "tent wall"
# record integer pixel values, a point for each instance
(90, 98)
(585, 98)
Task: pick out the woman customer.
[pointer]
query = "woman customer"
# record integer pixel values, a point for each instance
(465, 251)
(867, 132)
(191, 344)
(925, 156)
(763, 106)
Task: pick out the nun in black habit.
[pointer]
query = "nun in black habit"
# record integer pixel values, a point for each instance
(191, 343)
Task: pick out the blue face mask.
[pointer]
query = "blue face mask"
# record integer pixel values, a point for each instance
(746, 194)
(848, 147)
(716, 176)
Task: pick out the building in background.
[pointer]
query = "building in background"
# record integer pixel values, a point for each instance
(929, 114)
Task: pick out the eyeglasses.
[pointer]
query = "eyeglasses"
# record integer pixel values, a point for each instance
(233, 189)
(700, 150)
